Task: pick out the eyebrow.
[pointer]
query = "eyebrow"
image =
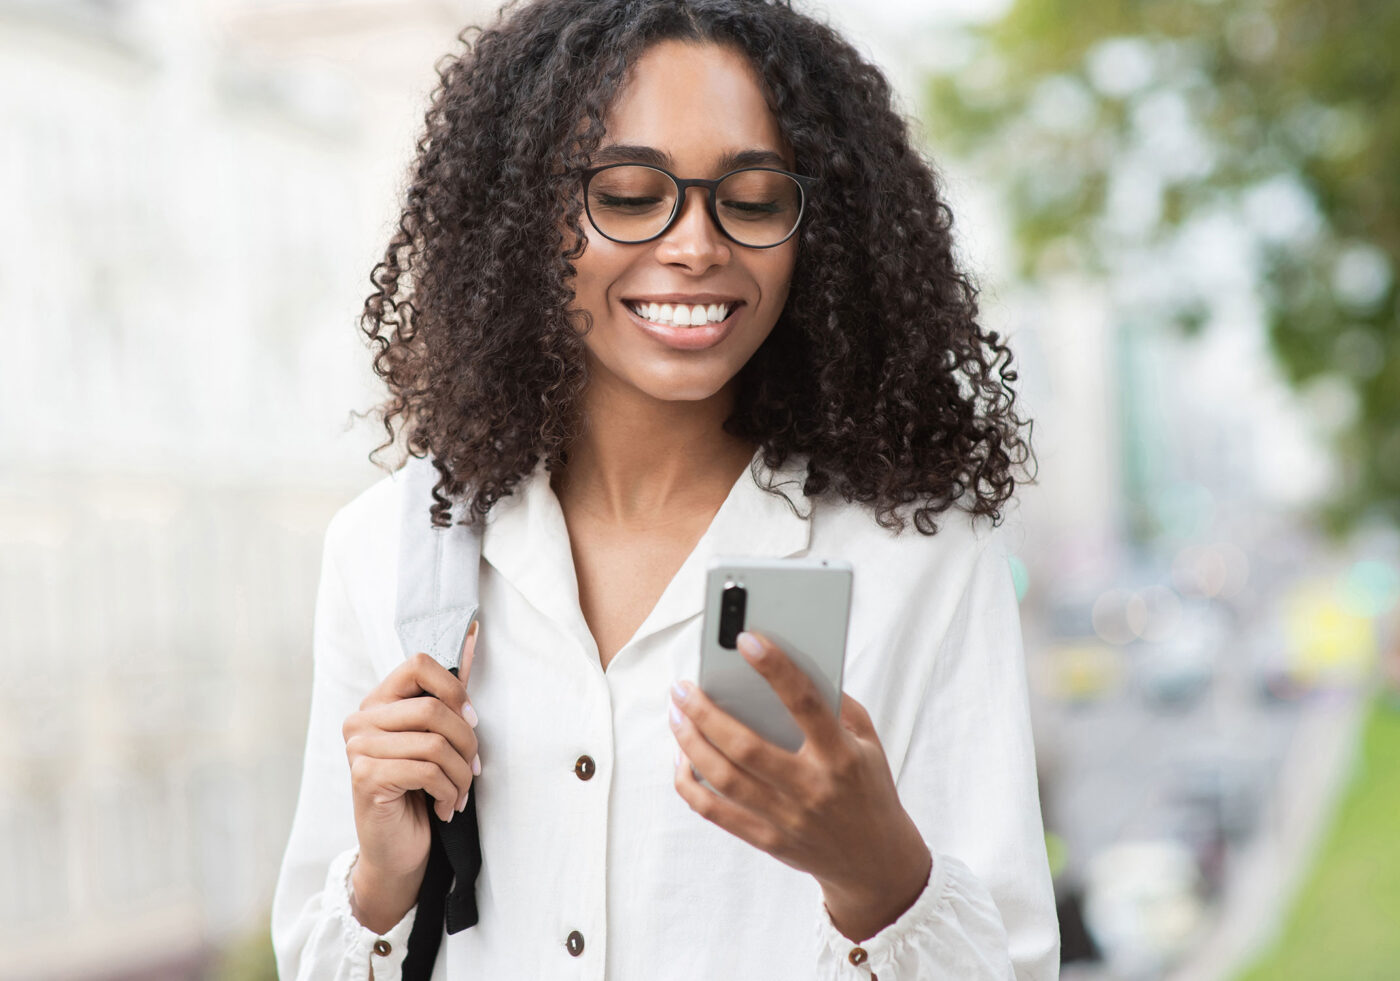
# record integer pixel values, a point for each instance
(732, 160)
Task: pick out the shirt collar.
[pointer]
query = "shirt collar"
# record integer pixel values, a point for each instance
(527, 542)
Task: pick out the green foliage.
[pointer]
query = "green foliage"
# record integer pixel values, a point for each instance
(1342, 924)
(1135, 135)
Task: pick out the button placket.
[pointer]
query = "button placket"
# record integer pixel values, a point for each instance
(588, 768)
(584, 768)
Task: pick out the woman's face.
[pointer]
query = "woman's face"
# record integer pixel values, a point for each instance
(693, 104)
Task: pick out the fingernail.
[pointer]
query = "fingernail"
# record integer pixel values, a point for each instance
(679, 689)
(469, 714)
(675, 715)
(749, 645)
(476, 765)
(462, 804)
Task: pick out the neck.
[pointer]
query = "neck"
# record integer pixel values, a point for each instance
(639, 458)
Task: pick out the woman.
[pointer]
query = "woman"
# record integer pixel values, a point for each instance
(834, 397)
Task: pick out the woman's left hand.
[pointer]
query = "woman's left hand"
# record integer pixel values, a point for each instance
(830, 809)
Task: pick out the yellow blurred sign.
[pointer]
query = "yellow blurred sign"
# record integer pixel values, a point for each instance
(1329, 643)
(1084, 670)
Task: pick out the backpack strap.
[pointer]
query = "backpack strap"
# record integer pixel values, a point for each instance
(438, 569)
(437, 604)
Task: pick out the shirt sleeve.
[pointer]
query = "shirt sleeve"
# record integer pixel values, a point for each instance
(314, 933)
(969, 783)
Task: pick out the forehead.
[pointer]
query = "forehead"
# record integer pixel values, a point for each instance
(694, 102)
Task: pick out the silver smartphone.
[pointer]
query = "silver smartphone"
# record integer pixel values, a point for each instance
(803, 606)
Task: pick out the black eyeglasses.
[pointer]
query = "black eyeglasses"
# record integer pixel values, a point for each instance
(757, 207)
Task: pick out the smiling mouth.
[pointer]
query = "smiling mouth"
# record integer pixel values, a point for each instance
(682, 314)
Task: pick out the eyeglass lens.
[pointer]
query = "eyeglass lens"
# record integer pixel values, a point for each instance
(632, 203)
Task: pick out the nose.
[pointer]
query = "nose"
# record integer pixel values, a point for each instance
(694, 241)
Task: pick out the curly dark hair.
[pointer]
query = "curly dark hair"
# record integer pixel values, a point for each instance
(877, 368)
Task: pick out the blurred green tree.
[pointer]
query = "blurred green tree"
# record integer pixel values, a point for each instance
(1130, 136)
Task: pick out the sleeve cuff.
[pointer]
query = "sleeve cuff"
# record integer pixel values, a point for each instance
(954, 903)
(385, 952)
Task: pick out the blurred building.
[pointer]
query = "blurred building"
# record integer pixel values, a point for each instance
(193, 196)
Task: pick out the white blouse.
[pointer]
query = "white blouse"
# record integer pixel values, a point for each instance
(654, 889)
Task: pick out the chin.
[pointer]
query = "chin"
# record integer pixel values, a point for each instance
(681, 386)
(690, 378)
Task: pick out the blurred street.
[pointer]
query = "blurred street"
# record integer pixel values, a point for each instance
(1236, 780)
(1187, 785)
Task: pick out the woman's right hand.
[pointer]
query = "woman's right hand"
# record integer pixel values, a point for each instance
(399, 746)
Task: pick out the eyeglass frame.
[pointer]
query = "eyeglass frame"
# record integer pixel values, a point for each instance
(683, 184)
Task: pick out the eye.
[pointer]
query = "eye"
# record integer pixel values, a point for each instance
(753, 209)
(631, 190)
(759, 196)
(618, 203)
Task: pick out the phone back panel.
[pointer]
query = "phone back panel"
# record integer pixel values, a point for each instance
(803, 606)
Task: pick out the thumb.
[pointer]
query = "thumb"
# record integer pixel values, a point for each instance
(464, 669)
(856, 719)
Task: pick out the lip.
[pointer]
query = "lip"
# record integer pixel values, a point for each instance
(689, 338)
(702, 299)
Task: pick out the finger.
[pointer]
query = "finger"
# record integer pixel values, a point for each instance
(745, 748)
(429, 747)
(416, 675)
(726, 777)
(464, 668)
(738, 821)
(795, 689)
(425, 715)
(856, 719)
(383, 781)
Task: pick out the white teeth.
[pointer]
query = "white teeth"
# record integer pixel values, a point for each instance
(681, 314)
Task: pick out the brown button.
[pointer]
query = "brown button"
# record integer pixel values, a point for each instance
(575, 941)
(585, 767)
(858, 955)
(382, 948)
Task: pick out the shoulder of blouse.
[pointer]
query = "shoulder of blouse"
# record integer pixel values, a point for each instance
(364, 532)
(849, 530)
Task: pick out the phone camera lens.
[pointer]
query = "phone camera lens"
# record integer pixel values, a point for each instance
(733, 602)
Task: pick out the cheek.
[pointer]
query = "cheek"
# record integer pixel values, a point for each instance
(595, 271)
(776, 276)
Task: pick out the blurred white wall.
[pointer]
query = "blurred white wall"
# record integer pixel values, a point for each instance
(192, 197)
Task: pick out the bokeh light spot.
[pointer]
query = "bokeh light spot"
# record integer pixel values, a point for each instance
(1371, 588)
(1020, 576)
